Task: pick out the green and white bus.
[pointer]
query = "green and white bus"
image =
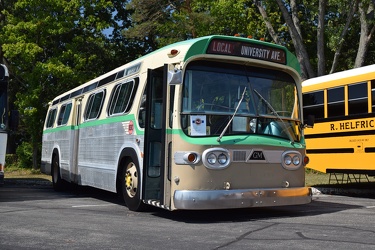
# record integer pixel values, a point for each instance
(208, 123)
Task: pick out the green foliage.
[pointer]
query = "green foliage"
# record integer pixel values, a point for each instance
(11, 161)
(24, 155)
(52, 46)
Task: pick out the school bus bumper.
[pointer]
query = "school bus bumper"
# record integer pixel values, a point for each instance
(242, 198)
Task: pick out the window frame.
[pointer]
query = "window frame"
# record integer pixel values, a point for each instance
(127, 100)
(62, 119)
(90, 103)
(50, 122)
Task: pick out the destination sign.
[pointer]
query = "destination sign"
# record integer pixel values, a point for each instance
(248, 50)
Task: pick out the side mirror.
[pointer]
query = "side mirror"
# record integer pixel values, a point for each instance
(174, 77)
(310, 121)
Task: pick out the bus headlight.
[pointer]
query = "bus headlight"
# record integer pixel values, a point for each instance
(216, 158)
(296, 160)
(222, 158)
(287, 160)
(291, 160)
(211, 159)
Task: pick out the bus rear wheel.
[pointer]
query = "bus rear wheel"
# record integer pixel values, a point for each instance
(130, 185)
(57, 182)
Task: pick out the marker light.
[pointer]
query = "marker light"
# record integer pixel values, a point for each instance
(192, 157)
(173, 53)
(306, 160)
(186, 157)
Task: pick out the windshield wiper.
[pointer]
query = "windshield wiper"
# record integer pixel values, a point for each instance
(231, 119)
(277, 115)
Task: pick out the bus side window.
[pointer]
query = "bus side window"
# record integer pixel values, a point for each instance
(336, 102)
(51, 118)
(94, 105)
(358, 99)
(313, 104)
(122, 97)
(64, 114)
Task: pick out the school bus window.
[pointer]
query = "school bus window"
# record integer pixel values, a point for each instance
(122, 96)
(357, 98)
(373, 94)
(94, 105)
(336, 104)
(314, 104)
(64, 114)
(51, 118)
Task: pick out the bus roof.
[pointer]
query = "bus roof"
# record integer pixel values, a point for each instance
(186, 49)
(340, 78)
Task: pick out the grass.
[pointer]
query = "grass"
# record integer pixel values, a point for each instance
(315, 178)
(25, 173)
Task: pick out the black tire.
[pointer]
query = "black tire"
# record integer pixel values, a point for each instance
(130, 185)
(57, 183)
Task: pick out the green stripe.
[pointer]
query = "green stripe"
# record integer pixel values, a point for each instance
(115, 119)
(250, 140)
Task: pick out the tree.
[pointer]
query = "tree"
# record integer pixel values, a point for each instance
(333, 22)
(52, 46)
(367, 19)
(164, 22)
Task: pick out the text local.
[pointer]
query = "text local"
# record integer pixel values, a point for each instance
(222, 47)
(247, 51)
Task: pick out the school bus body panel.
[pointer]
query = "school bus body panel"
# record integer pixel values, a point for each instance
(342, 142)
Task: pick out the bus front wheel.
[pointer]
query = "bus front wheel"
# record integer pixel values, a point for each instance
(130, 185)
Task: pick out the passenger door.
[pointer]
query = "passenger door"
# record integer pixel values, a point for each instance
(156, 180)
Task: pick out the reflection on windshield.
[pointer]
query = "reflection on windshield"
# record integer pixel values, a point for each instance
(212, 91)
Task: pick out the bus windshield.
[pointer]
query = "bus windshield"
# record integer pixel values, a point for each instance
(212, 95)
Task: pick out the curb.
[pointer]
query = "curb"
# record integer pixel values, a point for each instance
(343, 191)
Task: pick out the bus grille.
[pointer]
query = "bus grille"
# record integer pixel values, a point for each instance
(239, 156)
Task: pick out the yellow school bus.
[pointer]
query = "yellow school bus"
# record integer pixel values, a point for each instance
(342, 139)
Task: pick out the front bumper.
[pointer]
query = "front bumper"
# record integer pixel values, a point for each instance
(242, 198)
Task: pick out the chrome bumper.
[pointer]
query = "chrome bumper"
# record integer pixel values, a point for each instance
(242, 198)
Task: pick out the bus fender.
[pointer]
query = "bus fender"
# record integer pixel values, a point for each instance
(125, 154)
